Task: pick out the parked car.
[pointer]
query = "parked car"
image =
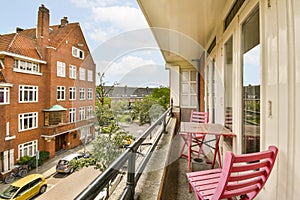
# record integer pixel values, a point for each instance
(63, 165)
(25, 188)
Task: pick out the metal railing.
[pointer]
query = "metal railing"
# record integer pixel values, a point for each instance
(133, 173)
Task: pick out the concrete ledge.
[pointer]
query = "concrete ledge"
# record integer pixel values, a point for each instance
(151, 183)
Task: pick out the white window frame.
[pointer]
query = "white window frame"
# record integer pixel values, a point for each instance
(25, 91)
(26, 66)
(82, 74)
(25, 119)
(61, 69)
(72, 115)
(89, 113)
(81, 113)
(90, 93)
(28, 148)
(77, 53)
(61, 93)
(188, 93)
(72, 93)
(90, 75)
(81, 93)
(72, 72)
(5, 95)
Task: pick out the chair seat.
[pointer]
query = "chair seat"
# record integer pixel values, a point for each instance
(242, 176)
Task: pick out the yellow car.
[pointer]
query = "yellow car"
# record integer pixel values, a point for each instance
(25, 188)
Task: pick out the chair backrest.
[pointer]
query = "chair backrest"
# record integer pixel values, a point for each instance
(200, 117)
(245, 175)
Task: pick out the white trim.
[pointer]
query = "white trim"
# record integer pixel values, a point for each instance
(6, 85)
(22, 57)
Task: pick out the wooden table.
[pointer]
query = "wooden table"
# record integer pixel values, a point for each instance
(217, 130)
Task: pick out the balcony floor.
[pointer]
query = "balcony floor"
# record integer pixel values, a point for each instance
(176, 185)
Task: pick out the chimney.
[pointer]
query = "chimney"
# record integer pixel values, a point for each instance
(43, 28)
(64, 21)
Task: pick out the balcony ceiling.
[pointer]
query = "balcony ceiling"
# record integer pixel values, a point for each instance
(195, 19)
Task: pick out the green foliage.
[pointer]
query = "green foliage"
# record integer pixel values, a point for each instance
(162, 96)
(24, 160)
(44, 155)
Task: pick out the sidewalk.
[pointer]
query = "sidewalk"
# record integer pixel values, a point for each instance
(48, 168)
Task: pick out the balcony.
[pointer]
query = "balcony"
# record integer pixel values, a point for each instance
(153, 163)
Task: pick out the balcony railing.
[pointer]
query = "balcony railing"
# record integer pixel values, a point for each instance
(133, 173)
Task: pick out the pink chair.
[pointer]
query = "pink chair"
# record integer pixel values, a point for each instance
(242, 176)
(197, 139)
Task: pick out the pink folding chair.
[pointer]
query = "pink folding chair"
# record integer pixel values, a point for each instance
(242, 176)
(197, 138)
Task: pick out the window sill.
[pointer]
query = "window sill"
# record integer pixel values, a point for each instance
(27, 72)
(10, 137)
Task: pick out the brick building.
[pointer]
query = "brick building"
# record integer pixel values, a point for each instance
(47, 89)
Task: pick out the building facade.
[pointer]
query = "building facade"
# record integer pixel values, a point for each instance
(238, 60)
(47, 90)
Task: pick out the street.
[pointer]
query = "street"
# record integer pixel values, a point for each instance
(68, 186)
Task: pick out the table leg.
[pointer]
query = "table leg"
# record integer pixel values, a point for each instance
(217, 152)
(189, 156)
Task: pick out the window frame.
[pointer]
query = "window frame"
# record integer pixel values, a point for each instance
(27, 89)
(81, 113)
(82, 74)
(72, 115)
(81, 93)
(26, 146)
(72, 93)
(90, 75)
(72, 72)
(60, 91)
(60, 69)
(6, 95)
(77, 53)
(90, 93)
(23, 117)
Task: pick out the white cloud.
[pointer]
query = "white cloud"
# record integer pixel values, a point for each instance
(123, 17)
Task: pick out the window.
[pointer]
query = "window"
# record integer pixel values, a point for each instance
(26, 66)
(77, 53)
(251, 83)
(61, 69)
(189, 88)
(72, 72)
(72, 92)
(7, 160)
(28, 121)
(81, 74)
(81, 113)
(228, 83)
(90, 93)
(84, 133)
(90, 75)
(28, 93)
(89, 111)
(60, 93)
(4, 95)
(72, 115)
(82, 93)
(28, 149)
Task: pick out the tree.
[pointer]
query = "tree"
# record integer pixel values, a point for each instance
(102, 91)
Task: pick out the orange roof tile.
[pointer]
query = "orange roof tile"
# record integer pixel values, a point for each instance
(24, 42)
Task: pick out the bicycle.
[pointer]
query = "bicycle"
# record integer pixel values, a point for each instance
(18, 171)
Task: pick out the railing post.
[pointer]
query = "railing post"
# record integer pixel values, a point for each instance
(130, 185)
(165, 124)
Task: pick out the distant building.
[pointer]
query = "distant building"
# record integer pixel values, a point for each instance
(47, 89)
(131, 94)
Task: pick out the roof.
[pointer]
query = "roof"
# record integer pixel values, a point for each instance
(55, 108)
(24, 42)
(23, 181)
(125, 91)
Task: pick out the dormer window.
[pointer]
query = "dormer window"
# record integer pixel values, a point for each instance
(26, 66)
(77, 53)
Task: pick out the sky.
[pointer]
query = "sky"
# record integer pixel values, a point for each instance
(116, 31)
